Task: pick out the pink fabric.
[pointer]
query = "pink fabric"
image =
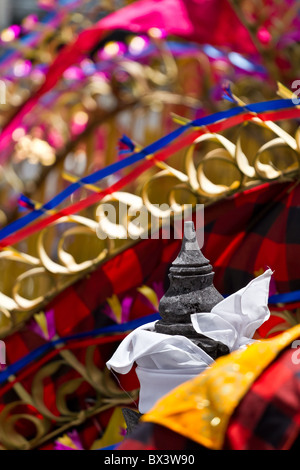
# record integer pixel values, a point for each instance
(203, 21)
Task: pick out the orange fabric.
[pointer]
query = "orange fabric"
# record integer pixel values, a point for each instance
(200, 409)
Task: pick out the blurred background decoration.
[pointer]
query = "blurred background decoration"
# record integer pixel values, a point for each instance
(65, 116)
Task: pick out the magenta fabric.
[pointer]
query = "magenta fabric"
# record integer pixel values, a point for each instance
(202, 21)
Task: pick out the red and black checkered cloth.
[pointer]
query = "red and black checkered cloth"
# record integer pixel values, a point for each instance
(243, 235)
(256, 229)
(267, 418)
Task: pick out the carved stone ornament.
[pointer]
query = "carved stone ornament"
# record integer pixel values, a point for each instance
(191, 291)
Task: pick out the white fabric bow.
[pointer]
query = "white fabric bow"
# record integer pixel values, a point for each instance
(235, 319)
(165, 361)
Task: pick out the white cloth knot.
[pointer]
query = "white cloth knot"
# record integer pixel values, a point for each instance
(165, 361)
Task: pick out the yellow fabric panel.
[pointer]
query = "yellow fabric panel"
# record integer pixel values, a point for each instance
(200, 409)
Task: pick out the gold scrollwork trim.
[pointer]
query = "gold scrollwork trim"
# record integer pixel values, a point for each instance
(192, 185)
(48, 423)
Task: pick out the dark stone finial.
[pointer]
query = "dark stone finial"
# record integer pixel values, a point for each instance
(132, 419)
(191, 291)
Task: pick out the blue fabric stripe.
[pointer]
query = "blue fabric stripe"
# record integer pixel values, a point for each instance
(150, 149)
(287, 298)
(45, 348)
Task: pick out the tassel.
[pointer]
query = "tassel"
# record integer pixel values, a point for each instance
(125, 145)
(25, 202)
(227, 94)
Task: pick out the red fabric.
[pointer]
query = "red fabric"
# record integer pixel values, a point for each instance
(253, 218)
(268, 418)
(81, 307)
(243, 237)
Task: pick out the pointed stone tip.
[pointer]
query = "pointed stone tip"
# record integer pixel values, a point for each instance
(189, 242)
(189, 230)
(190, 253)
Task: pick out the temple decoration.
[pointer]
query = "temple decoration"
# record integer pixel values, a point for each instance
(197, 327)
(104, 106)
(191, 290)
(177, 188)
